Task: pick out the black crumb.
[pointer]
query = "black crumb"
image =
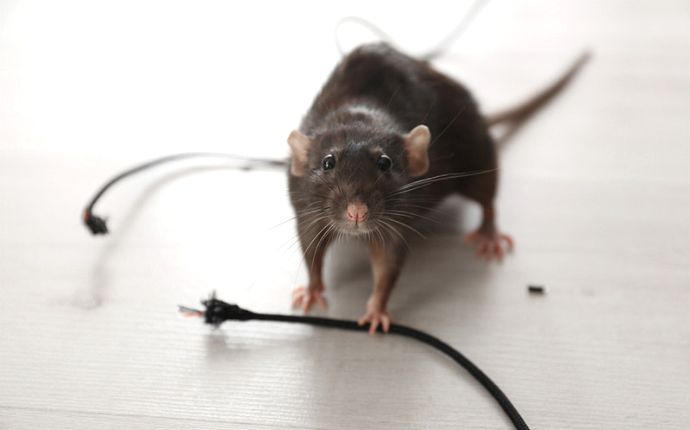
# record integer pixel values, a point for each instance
(535, 289)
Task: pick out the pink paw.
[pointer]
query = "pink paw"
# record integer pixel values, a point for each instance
(490, 245)
(305, 298)
(376, 318)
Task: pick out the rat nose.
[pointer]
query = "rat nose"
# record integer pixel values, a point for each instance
(357, 212)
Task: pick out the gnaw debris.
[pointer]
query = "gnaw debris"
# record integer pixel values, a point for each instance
(535, 289)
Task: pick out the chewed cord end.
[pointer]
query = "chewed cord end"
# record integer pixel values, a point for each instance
(94, 223)
(217, 311)
(190, 312)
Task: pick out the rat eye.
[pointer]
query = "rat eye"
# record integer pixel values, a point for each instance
(384, 163)
(328, 162)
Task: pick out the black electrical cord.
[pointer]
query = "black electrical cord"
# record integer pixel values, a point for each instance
(97, 224)
(217, 311)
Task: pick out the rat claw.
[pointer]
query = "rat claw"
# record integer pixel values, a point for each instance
(471, 237)
(483, 248)
(305, 298)
(498, 251)
(490, 245)
(298, 295)
(375, 319)
(386, 322)
(508, 240)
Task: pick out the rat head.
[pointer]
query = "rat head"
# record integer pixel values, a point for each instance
(350, 178)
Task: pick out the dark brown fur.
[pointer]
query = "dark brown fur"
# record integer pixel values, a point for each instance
(371, 100)
(393, 94)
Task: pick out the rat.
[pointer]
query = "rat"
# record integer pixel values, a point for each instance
(388, 138)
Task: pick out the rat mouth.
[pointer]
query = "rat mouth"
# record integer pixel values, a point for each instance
(356, 229)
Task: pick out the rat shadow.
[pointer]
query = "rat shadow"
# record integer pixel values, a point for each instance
(438, 266)
(100, 276)
(282, 349)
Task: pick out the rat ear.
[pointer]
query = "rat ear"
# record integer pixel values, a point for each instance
(299, 145)
(416, 148)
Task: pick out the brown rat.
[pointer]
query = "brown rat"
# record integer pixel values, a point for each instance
(386, 140)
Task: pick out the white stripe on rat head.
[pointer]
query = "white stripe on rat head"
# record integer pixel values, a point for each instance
(362, 109)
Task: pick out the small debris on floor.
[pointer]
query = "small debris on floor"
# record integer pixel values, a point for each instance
(535, 289)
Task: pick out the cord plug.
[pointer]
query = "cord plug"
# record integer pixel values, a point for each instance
(94, 223)
(218, 311)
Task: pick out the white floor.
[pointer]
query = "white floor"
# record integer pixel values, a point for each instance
(595, 190)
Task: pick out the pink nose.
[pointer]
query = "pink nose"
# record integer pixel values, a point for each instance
(357, 212)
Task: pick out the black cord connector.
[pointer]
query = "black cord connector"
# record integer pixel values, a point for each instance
(95, 224)
(217, 311)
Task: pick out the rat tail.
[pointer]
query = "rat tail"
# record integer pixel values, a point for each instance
(524, 110)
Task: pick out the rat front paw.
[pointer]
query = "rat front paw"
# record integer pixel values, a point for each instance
(490, 245)
(376, 318)
(305, 298)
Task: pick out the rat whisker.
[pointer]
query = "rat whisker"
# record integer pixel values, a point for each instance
(282, 223)
(408, 214)
(410, 201)
(383, 232)
(431, 213)
(395, 231)
(315, 211)
(306, 250)
(320, 177)
(293, 242)
(399, 213)
(311, 227)
(395, 93)
(402, 224)
(311, 217)
(331, 227)
(445, 176)
(377, 231)
(383, 237)
(428, 181)
(289, 244)
(461, 110)
(319, 234)
(428, 204)
(431, 105)
(306, 212)
(381, 175)
(315, 222)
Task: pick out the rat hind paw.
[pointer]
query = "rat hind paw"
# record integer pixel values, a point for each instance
(376, 318)
(490, 245)
(305, 298)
